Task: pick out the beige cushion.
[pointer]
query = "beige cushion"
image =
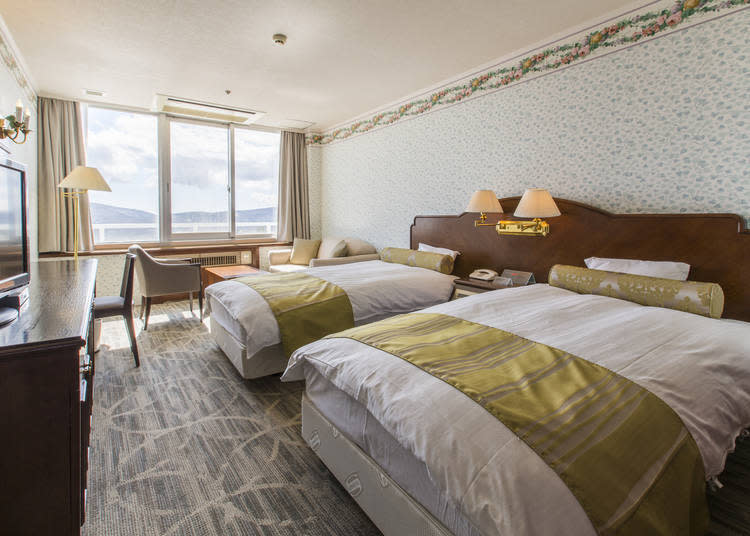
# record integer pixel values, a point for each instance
(304, 250)
(422, 259)
(355, 246)
(330, 248)
(705, 299)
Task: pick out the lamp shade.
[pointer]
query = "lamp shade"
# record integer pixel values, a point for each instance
(85, 178)
(536, 203)
(484, 201)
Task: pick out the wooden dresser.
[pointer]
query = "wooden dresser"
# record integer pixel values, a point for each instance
(46, 379)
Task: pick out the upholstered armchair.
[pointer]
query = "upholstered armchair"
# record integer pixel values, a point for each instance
(312, 253)
(160, 277)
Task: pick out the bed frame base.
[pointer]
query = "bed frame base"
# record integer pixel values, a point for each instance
(392, 510)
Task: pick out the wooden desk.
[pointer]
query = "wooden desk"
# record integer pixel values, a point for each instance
(214, 274)
(46, 380)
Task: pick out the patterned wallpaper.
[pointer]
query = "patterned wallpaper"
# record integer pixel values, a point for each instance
(314, 189)
(663, 126)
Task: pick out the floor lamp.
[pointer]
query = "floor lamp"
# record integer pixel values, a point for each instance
(80, 180)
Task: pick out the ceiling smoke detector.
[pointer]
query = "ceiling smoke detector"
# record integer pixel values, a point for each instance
(279, 39)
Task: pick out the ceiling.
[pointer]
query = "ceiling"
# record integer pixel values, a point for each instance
(343, 57)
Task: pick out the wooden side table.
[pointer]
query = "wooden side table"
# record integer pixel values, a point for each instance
(214, 274)
(468, 287)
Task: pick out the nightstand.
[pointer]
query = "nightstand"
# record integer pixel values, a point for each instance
(468, 287)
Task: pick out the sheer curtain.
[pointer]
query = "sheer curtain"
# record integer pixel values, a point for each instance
(60, 150)
(294, 203)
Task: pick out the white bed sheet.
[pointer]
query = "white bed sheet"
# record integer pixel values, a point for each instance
(699, 366)
(376, 289)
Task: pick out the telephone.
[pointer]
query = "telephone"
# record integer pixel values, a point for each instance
(483, 274)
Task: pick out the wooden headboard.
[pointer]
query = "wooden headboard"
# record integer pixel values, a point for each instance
(717, 246)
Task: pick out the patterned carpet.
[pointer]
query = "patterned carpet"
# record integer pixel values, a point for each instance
(184, 446)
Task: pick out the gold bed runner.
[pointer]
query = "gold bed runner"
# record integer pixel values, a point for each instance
(306, 308)
(622, 451)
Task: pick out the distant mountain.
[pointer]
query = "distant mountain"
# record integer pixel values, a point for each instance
(250, 215)
(101, 213)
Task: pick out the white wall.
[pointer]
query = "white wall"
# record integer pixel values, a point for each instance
(10, 92)
(663, 126)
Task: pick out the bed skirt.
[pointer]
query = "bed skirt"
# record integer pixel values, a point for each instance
(270, 360)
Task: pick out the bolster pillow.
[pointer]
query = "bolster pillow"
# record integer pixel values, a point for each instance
(706, 299)
(422, 259)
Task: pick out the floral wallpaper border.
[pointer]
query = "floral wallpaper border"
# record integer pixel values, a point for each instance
(626, 32)
(13, 65)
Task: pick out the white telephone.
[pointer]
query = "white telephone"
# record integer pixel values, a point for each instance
(483, 274)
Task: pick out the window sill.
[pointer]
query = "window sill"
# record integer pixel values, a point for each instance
(173, 249)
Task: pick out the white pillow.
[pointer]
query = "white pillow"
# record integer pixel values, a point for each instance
(663, 269)
(442, 251)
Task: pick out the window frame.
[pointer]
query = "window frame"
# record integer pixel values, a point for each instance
(164, 167)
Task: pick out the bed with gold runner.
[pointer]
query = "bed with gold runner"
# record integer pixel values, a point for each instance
(260, 319)
(538, 410)
(306, 307)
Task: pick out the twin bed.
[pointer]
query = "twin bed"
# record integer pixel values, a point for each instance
(422, 457)
(244, 326)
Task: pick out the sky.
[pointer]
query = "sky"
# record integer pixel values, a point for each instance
(124, 147)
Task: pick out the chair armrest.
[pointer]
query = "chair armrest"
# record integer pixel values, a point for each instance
(344, 260)
(279, 256)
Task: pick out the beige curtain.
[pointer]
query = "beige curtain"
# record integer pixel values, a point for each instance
(294, 203)
(60, 150)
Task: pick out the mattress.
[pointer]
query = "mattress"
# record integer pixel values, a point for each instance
(699, 366)
(376, 290)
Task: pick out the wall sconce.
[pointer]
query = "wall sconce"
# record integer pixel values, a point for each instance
(484, 201)
(18, 123)
(535, 203)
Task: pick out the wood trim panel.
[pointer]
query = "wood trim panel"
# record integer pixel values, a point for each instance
(717, 246)
(171, 250)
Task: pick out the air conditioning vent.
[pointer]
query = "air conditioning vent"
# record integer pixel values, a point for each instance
(205, 110)
(226, 259)
(217, 260)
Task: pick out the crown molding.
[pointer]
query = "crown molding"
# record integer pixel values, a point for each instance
(13, 60)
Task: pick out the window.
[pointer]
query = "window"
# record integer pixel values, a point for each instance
(256, 181)
(200, 178)
(214, 181)
(123, 146)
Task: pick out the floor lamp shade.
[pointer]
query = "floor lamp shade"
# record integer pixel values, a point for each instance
(85, 178)
(82, 178)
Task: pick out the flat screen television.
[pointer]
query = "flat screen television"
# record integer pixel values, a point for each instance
(14, 244)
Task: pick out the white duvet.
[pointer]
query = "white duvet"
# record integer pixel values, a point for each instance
(699, 366)
(376, 289)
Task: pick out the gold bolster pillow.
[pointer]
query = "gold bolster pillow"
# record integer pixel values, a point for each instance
(706, 299)
(422, 259)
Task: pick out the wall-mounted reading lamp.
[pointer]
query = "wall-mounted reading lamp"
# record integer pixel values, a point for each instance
(535, 203)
